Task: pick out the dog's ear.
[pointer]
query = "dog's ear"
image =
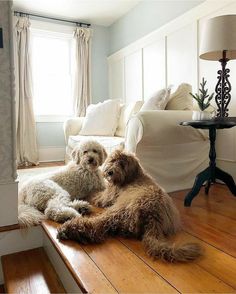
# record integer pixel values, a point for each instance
(104, 154)
(75, 155)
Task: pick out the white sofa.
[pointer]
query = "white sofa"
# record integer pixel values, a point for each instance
(171, 153)
(73, 126)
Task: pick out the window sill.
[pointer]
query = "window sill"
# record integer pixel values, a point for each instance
(51, 118)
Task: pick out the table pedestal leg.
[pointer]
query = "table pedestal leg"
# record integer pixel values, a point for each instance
(227, 179)
(207, 187)
(199, 181)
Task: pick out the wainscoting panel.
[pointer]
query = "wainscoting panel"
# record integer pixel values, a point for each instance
(133, 77)
(117, 78)
(144, 60)
(154, 67)
(182, 56)
(52, 153)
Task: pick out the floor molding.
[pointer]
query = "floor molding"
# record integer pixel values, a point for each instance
(52, 153)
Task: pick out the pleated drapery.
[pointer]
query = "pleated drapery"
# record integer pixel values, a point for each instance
(27, 151)
(82, 91)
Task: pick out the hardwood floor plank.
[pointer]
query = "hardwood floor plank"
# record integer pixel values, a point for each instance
(219, 200)
(210, 235)
(30, 272)
(202, 215)
(44, 164)
(216, 262)
(85, 272)
(186, 278)
(126, 271)
(9, 228)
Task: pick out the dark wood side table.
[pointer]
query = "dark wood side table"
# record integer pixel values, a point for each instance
(212, 172)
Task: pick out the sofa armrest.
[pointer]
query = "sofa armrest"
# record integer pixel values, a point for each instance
(159, 128)
(72, 126)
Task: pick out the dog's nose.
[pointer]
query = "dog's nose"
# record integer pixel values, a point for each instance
(90, 160)
(110, 173)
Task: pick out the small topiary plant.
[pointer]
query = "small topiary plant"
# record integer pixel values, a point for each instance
(203, 99)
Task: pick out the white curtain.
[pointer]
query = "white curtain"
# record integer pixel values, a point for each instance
(82, 70)
(27, 153)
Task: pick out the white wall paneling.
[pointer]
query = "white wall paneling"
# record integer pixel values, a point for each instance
(182, 56)
(181, 64)
(116, 79)
(133, 77)
(154, 67)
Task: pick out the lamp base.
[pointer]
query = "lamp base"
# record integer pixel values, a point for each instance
(223, 88)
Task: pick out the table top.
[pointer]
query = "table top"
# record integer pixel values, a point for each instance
(217, 123)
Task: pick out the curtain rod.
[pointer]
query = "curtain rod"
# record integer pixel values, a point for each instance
(53, 18)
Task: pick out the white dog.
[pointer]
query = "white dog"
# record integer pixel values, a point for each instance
(61, 196)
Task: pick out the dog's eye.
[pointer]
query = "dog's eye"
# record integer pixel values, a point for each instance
(95, 151)
(85, 151)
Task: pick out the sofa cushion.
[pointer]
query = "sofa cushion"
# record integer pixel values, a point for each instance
(157, 101)
(101, 119)
(127, 110)
(109, 143)
(181, 99)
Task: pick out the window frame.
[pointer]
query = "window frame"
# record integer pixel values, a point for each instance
(53, 32)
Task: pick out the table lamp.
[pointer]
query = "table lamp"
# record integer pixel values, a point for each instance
(218, 42)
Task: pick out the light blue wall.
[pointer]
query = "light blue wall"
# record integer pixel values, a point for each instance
(51, 134)
(144, 18)
(99, 67)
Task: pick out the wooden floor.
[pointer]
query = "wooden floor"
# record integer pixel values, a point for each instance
(121, 265)
(30, 272)
(44, 164)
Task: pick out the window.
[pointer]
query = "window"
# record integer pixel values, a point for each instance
(52, 73)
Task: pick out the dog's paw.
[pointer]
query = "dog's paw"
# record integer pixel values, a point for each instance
(83, 207)
(62, 233)
(87, 209)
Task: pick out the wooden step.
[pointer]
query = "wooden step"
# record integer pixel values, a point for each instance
(121, 265)
(110, 267)
(30, 272)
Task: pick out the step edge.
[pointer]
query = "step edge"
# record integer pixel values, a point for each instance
(66, 262)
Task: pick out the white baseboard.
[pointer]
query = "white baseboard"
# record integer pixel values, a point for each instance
(52, 153)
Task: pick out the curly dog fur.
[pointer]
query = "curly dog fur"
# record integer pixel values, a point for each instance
(61, 196)
(136, 207)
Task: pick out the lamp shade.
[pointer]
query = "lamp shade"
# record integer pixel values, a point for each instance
(219, 34)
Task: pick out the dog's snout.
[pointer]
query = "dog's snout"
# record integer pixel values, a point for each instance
(90, 160)
(110, 173)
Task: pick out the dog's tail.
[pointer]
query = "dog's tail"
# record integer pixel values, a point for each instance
(29, 216)
(160, 248)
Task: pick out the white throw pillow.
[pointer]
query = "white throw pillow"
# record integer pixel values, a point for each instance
(157, 101)
(126, 111)
(101, 119)
(181, 99)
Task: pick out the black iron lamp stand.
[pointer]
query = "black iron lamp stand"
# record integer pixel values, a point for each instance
(223, 88)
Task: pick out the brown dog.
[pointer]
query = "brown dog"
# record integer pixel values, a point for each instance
(137, 207)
